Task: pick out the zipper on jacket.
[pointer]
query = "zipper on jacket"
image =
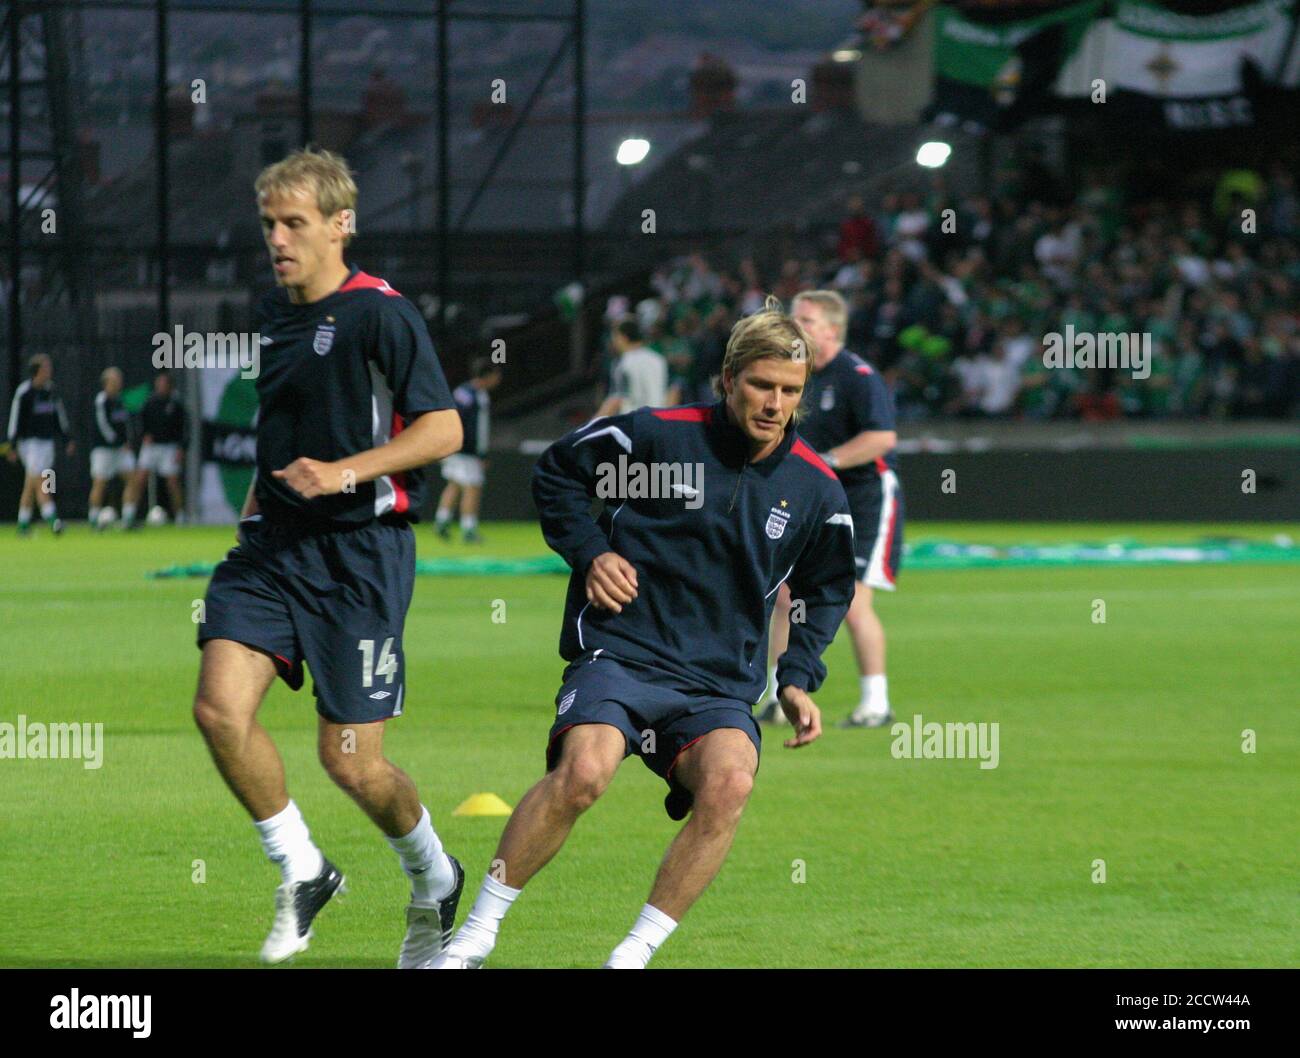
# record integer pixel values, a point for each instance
(736, 491)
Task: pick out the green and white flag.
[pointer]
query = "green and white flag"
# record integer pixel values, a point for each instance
(992, 72)
(1180, 72)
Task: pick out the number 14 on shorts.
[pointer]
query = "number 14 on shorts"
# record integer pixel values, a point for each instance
(387, 666)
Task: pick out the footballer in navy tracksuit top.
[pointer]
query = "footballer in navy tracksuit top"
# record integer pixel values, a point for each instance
(687, 655)
(846, 398)
(328, 580)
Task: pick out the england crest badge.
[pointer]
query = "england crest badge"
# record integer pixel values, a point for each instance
(776, 522)
(828, 399)
(324, 340)
(565, 702)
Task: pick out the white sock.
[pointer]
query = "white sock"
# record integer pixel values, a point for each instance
(875, 695)
(442, 517)
(48, 512)
(468, 523)
(478, 934)
(288, 843)
(128, 512)
(94, 515)
(650, 930)
(772, 688)
(24, 516)
(424, 862)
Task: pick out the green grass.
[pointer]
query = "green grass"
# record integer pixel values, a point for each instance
(1119, 741)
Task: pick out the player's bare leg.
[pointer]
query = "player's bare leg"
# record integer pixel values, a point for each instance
(26, 501)
(353, 755)
(233, 679)
(719, 771)
(97, 487)
(470, 498)
(538, 827)
(446, 505)
(131, 496)
(868, 636)
(178, 499)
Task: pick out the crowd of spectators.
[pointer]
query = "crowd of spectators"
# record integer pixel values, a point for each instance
(951, 297)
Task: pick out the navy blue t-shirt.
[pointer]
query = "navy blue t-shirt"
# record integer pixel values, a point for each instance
(845, 398)
(340, 376)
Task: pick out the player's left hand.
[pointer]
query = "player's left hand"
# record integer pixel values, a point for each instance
(311, 477)
(71, 449)
(801, 711)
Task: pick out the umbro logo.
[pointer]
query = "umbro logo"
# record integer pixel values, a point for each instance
(379, 696)
(266, 339)
(685, 490)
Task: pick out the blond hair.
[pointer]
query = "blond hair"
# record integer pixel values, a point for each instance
(833, 307)
(322, 172)
(770, 332)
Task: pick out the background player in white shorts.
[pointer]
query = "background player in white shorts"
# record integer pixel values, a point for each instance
(464, 471)
(111, 456)
(162, 447)
(37, 422)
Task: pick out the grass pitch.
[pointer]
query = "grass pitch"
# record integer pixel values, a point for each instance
(1120, 742)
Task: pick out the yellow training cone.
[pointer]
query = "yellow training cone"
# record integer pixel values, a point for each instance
(483, 804)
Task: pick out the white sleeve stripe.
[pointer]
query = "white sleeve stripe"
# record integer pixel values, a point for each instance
(623, 440)
(841, 519)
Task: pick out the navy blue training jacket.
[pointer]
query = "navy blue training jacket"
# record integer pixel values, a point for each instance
(709, 555)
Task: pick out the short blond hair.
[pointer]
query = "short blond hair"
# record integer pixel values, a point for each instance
(833, 307)
(324, 173)
(770, 332)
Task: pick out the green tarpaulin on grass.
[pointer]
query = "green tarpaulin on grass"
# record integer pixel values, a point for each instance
(927, 554)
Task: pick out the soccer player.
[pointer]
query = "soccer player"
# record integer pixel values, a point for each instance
(465, 469)
(162, 447)
(850, 421)
(37, 421)
(351, 403)
(111, 455)
(640, 375)
(666, 620)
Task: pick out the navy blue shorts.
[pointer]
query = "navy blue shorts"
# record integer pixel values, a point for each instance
(658, 714)
(336, 601)
(878, 532)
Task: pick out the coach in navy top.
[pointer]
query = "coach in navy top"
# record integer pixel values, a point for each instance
(849, 419)
(351, 405)
(708, 510)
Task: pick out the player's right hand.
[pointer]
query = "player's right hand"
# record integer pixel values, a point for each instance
(611, 582)
(802, 711)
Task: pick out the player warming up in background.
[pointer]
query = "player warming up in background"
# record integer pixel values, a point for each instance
(37, 422)
(665, 624)
(164, 432)
(111, 455)
(465, 470)
(351, 402)
(849, 419)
